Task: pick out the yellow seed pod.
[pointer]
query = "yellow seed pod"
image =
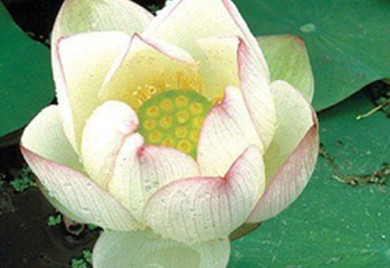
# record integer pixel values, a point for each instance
(168, 142)
(149, 124)
(196, 108)
(174, 119)
(184, 146)
(181, 101)
(155, 136)
(166, 122)
(152, 111)
(182, 116)
(194, 136)
(166, 105)
(198, 121)
(181, 132)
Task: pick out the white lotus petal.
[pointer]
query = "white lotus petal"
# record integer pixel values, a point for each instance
(44, 136)
(227, 131)
(141, 170)
(218, 67)
(257, 94)
(58, 206)
(78, 194)
(146, 249)
(294, 118)
(288, 60)
(292, 154)
(149, 67)
(80, 16)
(205, 208)
(184, 21)
(103, 137)
(79, 67)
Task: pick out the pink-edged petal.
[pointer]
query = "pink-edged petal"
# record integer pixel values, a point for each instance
(58, 206)
(183, 21)
(290, 180)
(205, 208)
(103, 136)
(257, 93)
(78, 194)
(80, 65)
(148, 67)
(45, 136)
(247, 34)
(146, 249)
(294, 118)
(218, 66)
(291, 157)
(140, 170)
(227, 131)
(288, 60)
(80, 16)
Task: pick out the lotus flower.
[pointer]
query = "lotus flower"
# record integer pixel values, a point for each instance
(169, 133)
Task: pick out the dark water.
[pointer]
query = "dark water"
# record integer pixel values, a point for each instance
(34, 16)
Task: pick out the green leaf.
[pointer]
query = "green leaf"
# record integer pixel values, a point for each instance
(24, 180)
(26, 84)
(79, 263)
(347, 40)
(54, 220)
(332, 223)
(288, 60)
(87, 255)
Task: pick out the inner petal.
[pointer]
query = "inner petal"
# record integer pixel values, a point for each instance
(174, 119)
(151, 66)
(148, 68)
(218, 65)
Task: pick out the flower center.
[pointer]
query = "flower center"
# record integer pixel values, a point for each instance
(174, 119)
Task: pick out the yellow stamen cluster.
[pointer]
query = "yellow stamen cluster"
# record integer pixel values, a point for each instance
(174, 119)
(180, 80)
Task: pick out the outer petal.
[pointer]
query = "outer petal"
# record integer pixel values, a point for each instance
(257, 94)
(141, 170)
(146, 249)
(290, 180)
(103, 136)
(184, 21)
(80, 195)
(80, 16)
(58, 206)
(79, 66)
(226, 133)
(205, 208)
(292, 154)
(51, 157)
(294, 119)
(288, 60)
(148, 67)
(45, 137)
